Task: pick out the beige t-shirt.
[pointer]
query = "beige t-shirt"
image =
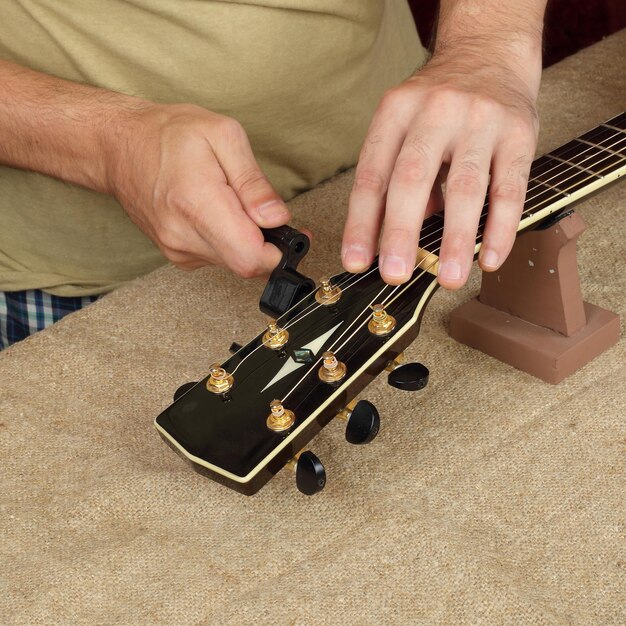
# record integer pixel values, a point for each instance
(302, 76)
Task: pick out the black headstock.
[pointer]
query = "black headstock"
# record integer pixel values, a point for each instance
(223, 425)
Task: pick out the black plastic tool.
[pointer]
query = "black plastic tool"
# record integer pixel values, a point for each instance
(286, 286)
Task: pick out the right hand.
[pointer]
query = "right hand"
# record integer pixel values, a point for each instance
(187, 177)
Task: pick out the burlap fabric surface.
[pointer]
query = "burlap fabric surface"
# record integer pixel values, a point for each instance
(489, 498)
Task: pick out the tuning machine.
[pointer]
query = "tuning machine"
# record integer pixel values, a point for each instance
(362, 422)
(407, 376)
(310, 473)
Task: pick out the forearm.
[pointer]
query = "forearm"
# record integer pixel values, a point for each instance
(57, 127)
(507, 33)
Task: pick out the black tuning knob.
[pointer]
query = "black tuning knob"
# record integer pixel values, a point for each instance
(409, 377)
(310, 474)
(183, 389)
(363, 424)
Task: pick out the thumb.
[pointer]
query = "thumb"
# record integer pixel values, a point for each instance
(256, 194)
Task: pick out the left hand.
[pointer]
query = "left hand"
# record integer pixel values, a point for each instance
(460, 111)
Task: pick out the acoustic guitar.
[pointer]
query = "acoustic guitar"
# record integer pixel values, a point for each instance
(256, 412)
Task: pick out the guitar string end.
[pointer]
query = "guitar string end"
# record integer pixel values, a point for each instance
(327, 293)
(332, 370)
(381, 323)
(220, 381)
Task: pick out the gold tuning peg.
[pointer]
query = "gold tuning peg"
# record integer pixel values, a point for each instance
(275, 337)
(280, 418)
(381, 322)
(220, 381)
(332, 370)
(327, 293)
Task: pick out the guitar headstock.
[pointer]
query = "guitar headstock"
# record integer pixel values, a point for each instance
(255, 412)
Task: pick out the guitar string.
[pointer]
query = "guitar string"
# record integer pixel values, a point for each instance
(313, 306)
(387, 301)
(481, 223)
(484, 216)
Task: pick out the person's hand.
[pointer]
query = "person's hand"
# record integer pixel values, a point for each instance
(476, 118)
(187, 177)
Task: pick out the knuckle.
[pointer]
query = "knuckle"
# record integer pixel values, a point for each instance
(397, 233)
(457, 242)
(520, 166)
(443, 100)
(250, 178)
(370, 180)
(419, 146)
(484, 108)
(171, 242)
(507, 191)
(465, 182)
(391, 99)
(231, 131)
(411, 171)
(178, 201)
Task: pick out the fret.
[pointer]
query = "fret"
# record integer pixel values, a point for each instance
(619, 130)
(576, 165)
(598, 151)
(606, 137)
(621, 157)
(549, 186)
(619, 121)
(597, 157)
(559, 174)
(542, 197)
(555, 177)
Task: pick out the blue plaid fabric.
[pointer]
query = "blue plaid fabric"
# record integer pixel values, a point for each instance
(23, 313)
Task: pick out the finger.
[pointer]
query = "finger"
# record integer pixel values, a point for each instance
(257, 196)
(507, 191)
(411, 184)
(371, 179)
(201, 198)
(466, 188)
(235, 237)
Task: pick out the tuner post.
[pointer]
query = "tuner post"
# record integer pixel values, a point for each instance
(381, 323)
(280, 418)
(327, 293)
(220, 381)
(332, 370)
(275, 337)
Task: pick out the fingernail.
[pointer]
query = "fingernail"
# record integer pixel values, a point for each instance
(272, 210)
(450, 270)
(489, 258)
(394, 266)
(355, 255)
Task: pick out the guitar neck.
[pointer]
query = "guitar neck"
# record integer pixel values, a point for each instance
(557, 180)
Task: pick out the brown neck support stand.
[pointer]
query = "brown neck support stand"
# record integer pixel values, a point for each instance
(530, 313)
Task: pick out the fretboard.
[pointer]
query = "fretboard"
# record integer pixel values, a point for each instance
(558, 179)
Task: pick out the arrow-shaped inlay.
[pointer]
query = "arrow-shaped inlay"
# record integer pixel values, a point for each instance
(291, 366)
